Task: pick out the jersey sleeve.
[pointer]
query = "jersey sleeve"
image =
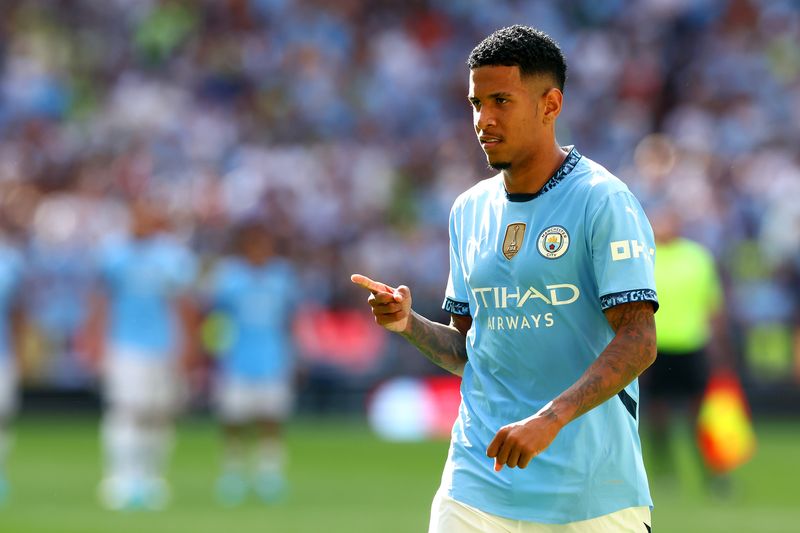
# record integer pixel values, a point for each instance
(623, 252)
(456, 300)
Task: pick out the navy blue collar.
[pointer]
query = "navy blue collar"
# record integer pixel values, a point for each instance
(563, 171)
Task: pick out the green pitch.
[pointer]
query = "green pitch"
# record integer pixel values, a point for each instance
(344, 480)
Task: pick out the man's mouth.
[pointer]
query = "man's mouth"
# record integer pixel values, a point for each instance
(487, 141)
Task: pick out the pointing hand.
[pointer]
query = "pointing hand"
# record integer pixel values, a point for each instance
(391, 307)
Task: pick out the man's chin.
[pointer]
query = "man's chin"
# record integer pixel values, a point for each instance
(499, 165)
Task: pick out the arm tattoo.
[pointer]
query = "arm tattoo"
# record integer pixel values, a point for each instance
(444, 345)
(631, 351)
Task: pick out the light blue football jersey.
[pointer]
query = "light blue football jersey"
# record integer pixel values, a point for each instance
(258, 302)
(143, 278)
(11, 264)
(535, 272)
(61, 279)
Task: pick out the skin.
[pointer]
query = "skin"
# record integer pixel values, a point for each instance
(444, 345)
(257, 246)
(16, 319)
(514, 118)
(235, 435)
(630, 352)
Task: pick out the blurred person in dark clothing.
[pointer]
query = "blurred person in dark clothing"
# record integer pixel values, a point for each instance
(690, 318)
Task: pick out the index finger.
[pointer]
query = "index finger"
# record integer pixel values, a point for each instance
(494, 447)
(370, 285)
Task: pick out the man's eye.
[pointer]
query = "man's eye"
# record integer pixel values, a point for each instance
(500, 100)
(475, 104)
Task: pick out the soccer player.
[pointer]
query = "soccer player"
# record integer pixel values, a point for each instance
(144, 294)
(254, 291)
(552, 302)
(11, 264)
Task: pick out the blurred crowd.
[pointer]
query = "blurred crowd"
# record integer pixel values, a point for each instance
(344, 127)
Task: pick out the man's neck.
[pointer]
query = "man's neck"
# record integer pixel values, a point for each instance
(531, 177)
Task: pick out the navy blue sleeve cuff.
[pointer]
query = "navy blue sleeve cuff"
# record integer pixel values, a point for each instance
(455, 308)
(638, 295)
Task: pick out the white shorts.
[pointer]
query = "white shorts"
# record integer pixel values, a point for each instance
(450, 516)
(240, 401)
(8, 387)
(142, 383)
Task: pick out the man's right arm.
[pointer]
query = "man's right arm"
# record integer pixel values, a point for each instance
(95, 328)
(444, 345)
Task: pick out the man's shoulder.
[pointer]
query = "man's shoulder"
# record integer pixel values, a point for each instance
(601, 190)
(485, 189)
(597, 181)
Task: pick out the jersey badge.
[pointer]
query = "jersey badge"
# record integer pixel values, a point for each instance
(553, 242)
(513, 240)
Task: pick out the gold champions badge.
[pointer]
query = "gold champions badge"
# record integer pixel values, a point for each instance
(515, 233)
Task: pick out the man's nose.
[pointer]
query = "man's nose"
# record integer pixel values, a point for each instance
(484, 119)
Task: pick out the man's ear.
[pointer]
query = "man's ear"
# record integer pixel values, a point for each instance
(553, 99)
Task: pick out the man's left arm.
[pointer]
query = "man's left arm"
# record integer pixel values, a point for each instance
(629, 353)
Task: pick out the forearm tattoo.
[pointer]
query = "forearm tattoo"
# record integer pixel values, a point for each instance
(631, 351)
(444, 345)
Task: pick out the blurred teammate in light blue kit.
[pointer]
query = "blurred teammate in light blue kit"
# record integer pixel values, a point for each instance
(146, 315)
(255, 292)
(11, 268)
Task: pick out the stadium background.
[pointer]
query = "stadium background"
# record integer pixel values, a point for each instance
(345, 124)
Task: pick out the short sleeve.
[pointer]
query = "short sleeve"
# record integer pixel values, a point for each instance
(456, 299)
(623, 252)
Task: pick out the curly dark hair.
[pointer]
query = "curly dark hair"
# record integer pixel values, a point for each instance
(532, 50)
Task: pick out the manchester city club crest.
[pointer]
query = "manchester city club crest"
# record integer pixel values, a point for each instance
(513, 241)
(553, 242)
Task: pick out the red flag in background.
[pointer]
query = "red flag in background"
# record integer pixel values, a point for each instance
(724, 430)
